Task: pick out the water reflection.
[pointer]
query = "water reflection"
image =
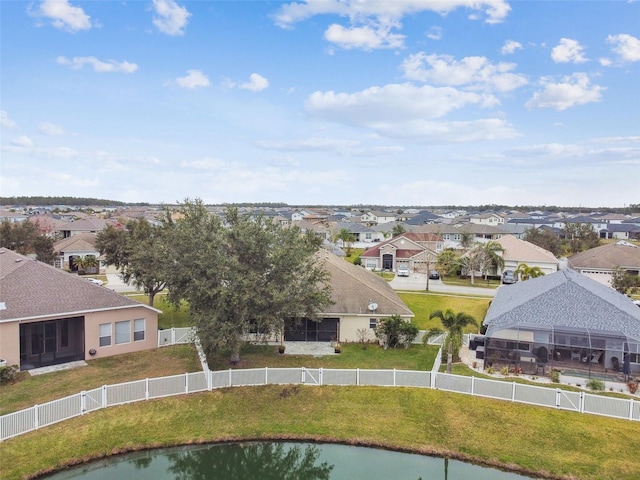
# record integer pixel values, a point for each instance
(279, 461)
(274, 461)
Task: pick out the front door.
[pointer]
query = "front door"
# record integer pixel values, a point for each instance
(387, 261)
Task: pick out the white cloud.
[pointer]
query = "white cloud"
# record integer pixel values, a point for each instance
(290, 13)
(5, 121)
(365, 37)
(573, 90)
(63, 15)
(510, 46)
(22, 141)
(568, 51)
(170, 17)
(371, 23)
(435, 33)
(193, 79)
(99, 66)
(256, 83)
(627, 47)
(605, 62)
(51, 129)
(474, 72)
(406, 111)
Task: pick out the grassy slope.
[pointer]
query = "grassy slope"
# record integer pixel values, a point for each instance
(428, 421)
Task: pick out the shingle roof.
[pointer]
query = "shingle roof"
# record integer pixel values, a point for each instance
(609, 256)
(564, 299)
(523, 251)
(32, 289)
(354, 288)
(84, 241)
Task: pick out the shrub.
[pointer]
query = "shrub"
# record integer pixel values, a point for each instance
(491, 370)
(633, 387)
(555, 376)
(595, 385)
(9, 373)
(393, 331)
(504, 371)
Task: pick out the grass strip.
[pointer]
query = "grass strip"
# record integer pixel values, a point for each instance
(548, 442)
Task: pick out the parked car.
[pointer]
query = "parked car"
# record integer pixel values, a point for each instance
(97, 281)
(403, 271)
(509, 277)
(434, 275)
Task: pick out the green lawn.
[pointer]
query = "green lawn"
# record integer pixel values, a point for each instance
(423, 303)
(543, 440)
(170, 316)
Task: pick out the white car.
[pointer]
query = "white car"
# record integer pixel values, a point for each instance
(97, 281)
(403, 271)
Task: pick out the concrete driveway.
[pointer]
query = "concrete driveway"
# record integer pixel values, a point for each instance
(418, 282)
(115, 283)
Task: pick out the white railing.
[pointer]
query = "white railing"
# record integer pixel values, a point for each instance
(176, 335)
(39, 416)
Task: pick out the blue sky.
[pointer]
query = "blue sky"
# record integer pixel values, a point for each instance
(416, 102)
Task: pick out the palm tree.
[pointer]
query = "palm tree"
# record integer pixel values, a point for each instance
(525, 272)
(493, 250)
(453, 324)
(398, 229)
(474, 260)
(347, 238)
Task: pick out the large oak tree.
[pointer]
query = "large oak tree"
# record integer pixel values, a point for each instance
(248, 273)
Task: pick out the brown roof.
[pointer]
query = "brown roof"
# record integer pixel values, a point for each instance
(31, 289)
(82, 242)
(607, 257)
(354, 288)
(406, 251)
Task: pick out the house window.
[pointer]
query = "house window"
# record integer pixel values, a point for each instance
(123, 332)
(105, 334)
(138, 329)
(373, 323)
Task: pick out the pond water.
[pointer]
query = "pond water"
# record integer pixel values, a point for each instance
(279, 461)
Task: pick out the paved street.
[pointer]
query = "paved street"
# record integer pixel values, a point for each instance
(418, 281)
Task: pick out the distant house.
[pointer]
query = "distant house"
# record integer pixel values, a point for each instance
(70, 248)
(518, 251)
(359, 299)
(86, 225)
(377, 217)
(491, 218)
(598, 263)
(48, 316)
(562, 318)
(416, 251)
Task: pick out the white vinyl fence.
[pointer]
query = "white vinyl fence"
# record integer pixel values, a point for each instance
(38, 416)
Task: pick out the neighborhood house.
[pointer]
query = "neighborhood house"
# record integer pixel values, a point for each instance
(49, 316)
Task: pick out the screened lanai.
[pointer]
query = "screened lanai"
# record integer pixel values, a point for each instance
(538, 349)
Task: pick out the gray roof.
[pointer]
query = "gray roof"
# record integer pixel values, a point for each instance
(564, 299)
(32, 289)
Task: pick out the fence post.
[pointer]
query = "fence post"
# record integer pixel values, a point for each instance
(631, 409)
(83, 402)
(266, 375)
(558, 393)
(433, 379)
(581, 409)
(473, 386)
(394, 377)
(104, 396)
(36, 419)
(146, 389)
(209, 380)
(302, 375)
(320, 373)
(513, 392)
(186, 382)
(230, 379)
(357, 376)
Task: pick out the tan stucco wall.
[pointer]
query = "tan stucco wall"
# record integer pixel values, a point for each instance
(349, 326)
(10, 343)
(10, 334)
(92, 331)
